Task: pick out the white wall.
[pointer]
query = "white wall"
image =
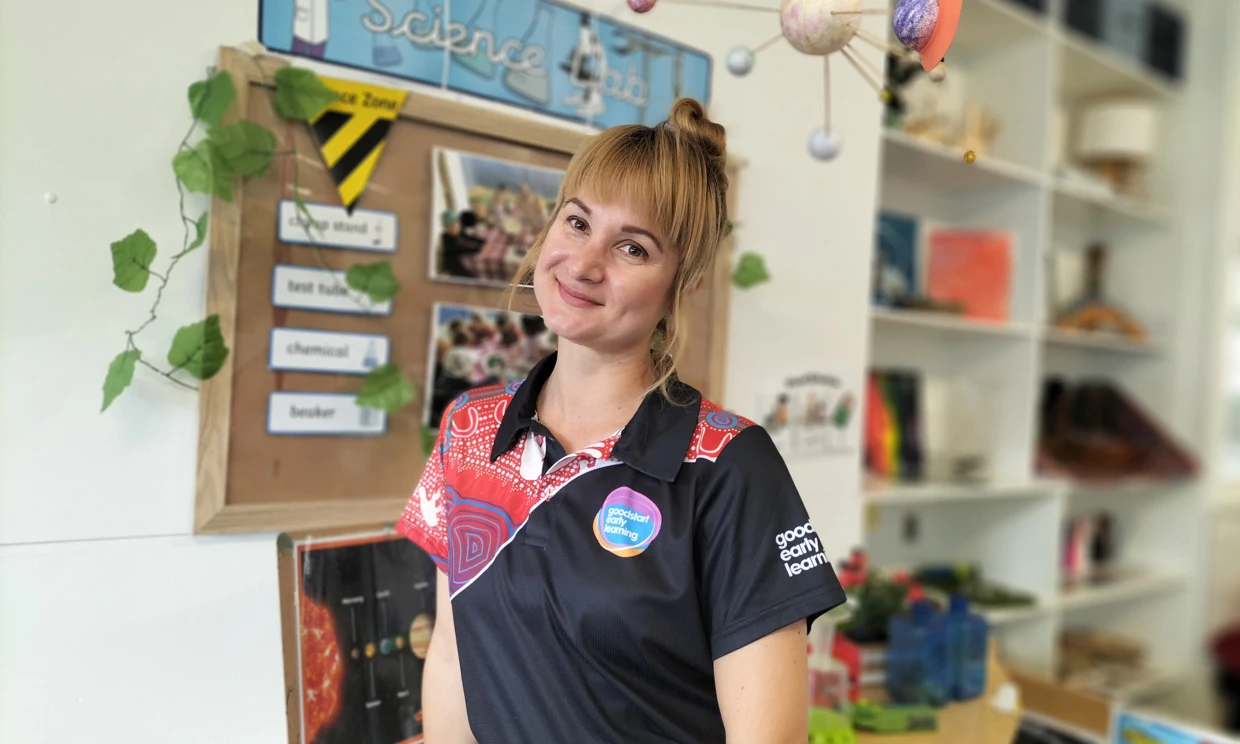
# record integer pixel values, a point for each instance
(113, 619)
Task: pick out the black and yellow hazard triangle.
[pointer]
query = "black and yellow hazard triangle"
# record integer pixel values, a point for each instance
(351, 133)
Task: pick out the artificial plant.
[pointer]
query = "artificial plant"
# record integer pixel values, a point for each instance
(209, 164)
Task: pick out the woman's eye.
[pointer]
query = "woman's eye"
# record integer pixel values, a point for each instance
(635, 251)
(577, 223)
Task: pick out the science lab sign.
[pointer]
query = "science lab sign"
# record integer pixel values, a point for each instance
(541, 55)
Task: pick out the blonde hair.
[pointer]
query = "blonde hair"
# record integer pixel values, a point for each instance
(676, 171)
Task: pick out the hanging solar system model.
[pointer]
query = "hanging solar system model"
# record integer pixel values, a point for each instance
(821, 28)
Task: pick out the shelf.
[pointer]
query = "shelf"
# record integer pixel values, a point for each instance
(1013, 615)
(892, 494)
(1155, 684)
(1098, 341)
(939, 166)
(1081, 204)
(1159, 683)
(1089, 68)
(1123, 487)
(990, 24)
(946, 322)
(1120, 590)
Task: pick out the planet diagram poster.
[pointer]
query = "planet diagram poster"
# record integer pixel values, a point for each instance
(365, 613)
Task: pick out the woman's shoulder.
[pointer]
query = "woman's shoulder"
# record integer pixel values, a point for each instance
(720, 431)
(487, 399)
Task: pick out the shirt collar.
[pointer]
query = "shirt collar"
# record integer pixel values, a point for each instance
(653, 442)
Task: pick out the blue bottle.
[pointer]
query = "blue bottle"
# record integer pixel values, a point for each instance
(919, 668)
(969, 636)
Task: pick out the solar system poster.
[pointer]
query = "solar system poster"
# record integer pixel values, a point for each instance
(547, 56)
(364, 613)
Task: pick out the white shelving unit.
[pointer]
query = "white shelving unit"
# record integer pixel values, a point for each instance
(1022, 65)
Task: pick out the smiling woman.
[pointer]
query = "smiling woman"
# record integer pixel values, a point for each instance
(622, 560)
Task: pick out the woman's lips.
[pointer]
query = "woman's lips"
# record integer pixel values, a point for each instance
(575, 299)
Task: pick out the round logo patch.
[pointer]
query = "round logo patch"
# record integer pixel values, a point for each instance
(627, 523)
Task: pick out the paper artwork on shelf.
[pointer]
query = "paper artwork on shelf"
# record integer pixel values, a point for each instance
(972, 269)
(486, 214)
(475, 347)
(811, 414)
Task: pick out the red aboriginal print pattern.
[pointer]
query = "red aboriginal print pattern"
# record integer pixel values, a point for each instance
(464, 514)
(715, 429)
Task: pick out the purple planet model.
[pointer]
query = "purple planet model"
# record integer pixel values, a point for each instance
(914, 21)
(640, 6)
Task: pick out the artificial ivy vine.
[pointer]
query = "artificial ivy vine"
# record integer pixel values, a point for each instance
(209, 166)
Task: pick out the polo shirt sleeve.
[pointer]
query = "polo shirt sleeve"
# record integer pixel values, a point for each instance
(425, 518)
(761, 564)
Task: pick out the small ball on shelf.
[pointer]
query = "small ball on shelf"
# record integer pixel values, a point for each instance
(641, 6)
(823, 145)
(740, 61)
(970, 156)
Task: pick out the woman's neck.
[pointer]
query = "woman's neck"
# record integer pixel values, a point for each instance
(590, 395)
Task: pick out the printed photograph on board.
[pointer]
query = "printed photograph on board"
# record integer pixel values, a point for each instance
(366, 611)
(486, 215)
(475, 347)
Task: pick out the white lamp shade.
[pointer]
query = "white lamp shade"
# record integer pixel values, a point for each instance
(1122, 129)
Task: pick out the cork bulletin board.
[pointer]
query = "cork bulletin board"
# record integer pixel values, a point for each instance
(258, 470)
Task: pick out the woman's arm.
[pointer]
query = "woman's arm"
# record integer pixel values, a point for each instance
(443, 696)
(763, 689)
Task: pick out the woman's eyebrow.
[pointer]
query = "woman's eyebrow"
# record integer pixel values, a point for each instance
(579, 203)
(642, 231)
(632, 229)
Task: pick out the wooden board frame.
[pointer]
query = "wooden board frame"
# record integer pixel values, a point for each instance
(213, 513)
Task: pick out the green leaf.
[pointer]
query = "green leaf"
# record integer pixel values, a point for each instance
(131, 261)
(198, 348)
(750, 271)
(244, 147)
(201, 232)
(120, 374)
(210, 98)
(300, 95)
(203, 170)
(386, 389)
(428, 440)
(375, 280)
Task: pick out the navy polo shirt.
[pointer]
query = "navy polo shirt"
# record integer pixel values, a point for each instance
(593, 590)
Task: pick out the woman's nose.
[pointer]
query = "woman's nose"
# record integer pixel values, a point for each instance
(587, 263)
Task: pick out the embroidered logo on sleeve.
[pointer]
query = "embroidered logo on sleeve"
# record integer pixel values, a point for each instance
(627, 523)
(800, 549)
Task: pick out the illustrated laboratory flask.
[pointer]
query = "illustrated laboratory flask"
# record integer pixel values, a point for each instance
(383, 49)
(479, 62)
(534, 85)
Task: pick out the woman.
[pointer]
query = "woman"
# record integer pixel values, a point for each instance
(621, 560)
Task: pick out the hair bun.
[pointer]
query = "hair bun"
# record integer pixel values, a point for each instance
(689, 118)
